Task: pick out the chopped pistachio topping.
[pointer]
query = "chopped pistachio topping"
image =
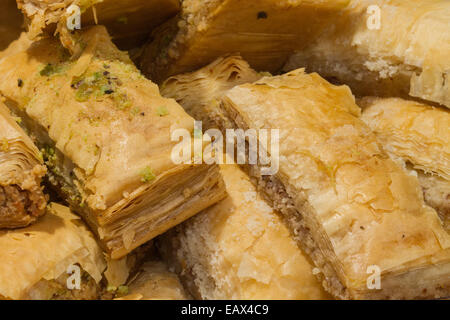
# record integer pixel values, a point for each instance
(121, 100)
(50, 69)
(111, 288)
(135, 111)
(98, 85)
(83, 93)
(162, 111)
(48, 153)
(147, 175)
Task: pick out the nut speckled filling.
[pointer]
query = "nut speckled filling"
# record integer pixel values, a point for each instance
(19, 208)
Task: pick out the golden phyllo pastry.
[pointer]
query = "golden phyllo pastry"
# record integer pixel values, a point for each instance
(128, 21)
(56, 258)
(385, 48)
(239, 248)
(105, 133)
(359, 215)
(264, 32)
(418, 135)
(22, 201)
(154, 281)
(199, 92)
(355, 210)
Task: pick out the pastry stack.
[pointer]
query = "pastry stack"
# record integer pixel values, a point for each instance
(265, 149)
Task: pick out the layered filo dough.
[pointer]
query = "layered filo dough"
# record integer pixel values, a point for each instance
(264, 32)
(419, 136)
(128, 21)
(154, 281)
(239, 248)
(105, 132)
(385, 48)
(41, 261)
(355, 211)
(22, 200)
(200, 92)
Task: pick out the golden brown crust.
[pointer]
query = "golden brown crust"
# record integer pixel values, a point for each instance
(418, 135)
(199, 92)
(324, 151)
(106, 135)
(44, 251)
(241, 249)
(264, 32)
(408, 56)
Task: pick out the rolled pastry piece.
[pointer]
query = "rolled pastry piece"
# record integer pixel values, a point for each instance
(239, 248)
(11, 21)
(128, 21)
(418, 135)
(22, 200)
(385, 48)
(154, 281)
(105, 132)
(359, 215)
(56, 258)
(264, 32)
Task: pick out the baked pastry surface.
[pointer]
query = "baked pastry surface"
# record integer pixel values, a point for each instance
(105, 132)
(22, 200)
(264, 32)
(35, 260)
(408, 56)
(348, 204)
(154, 281)
(418, 135)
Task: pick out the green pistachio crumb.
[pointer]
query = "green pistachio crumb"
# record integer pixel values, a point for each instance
(147, 175)
(162, 111)
(111, 288)
(122, 101)
(135, 111)
(50, 69)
